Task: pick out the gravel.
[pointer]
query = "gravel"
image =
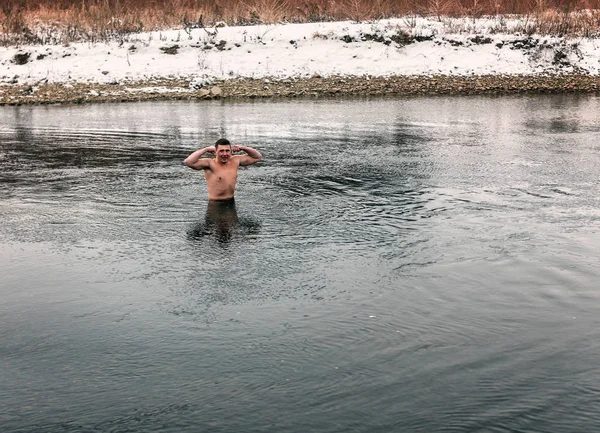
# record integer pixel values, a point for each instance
(313, 87)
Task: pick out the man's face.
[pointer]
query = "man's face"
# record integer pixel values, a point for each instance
(223, 153)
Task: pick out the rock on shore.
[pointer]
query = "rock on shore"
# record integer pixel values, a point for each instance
(316, 86)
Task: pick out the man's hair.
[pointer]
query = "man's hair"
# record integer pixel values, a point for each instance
(222, 142)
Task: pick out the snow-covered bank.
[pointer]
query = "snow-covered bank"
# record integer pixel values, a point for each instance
(387, 48)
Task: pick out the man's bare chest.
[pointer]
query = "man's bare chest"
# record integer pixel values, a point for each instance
(222, 173)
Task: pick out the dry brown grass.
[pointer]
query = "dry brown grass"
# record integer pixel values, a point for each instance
(41, 20)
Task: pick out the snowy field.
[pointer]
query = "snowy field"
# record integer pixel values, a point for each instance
(403, 46)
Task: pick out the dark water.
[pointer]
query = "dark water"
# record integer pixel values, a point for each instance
(419, 265)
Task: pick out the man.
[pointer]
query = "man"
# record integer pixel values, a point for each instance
(221, 171)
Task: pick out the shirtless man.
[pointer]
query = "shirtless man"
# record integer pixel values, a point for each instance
(221, 171)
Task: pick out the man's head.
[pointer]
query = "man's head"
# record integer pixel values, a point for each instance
(223, 150)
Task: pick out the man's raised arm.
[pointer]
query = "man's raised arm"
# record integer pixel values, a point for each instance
(252, 155)
(196, 161)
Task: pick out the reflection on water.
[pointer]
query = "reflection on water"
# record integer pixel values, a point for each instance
(221, 222)
(423, 264)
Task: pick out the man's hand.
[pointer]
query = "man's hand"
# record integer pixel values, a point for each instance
(235, 148)
(211, 149)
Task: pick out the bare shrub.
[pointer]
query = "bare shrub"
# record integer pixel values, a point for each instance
(269, 11)
(45, 21)
(13, 23)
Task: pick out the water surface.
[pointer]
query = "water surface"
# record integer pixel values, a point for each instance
(425, 264)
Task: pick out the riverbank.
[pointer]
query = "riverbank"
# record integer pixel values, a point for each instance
(404, 56)
(313, 87)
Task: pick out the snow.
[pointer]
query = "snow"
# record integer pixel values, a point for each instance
(449, 47)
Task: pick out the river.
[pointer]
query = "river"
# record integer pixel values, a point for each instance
(392, 265)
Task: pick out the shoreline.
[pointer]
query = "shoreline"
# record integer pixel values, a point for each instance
(313, 87)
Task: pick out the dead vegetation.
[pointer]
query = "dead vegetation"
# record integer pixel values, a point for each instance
(64, 21)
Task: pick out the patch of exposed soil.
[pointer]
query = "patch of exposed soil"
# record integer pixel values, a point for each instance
(164, 89)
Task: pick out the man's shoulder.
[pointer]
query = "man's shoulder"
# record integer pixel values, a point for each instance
(236, 159)
(243, 160)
